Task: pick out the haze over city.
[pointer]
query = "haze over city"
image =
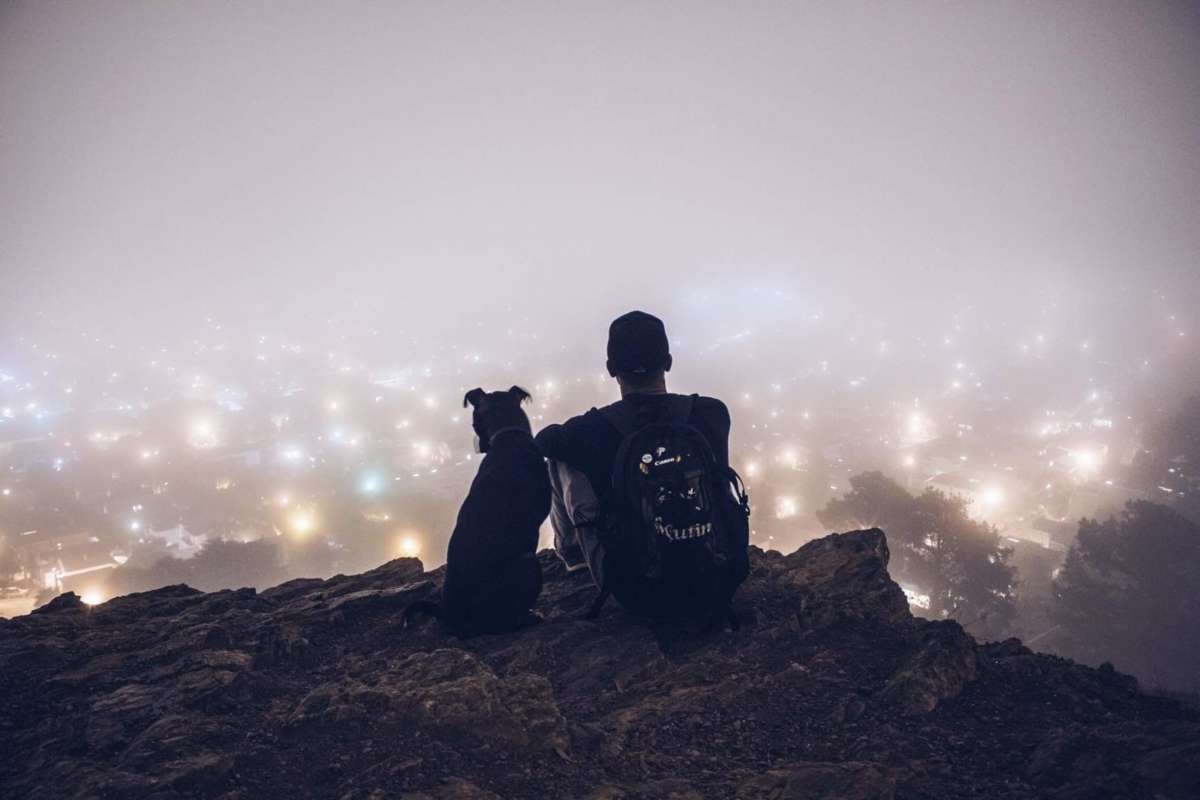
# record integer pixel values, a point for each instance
(253, 256)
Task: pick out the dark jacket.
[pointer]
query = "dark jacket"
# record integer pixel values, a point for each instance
(589, 442)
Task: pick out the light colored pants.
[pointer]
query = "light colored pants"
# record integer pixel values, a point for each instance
(573, 504)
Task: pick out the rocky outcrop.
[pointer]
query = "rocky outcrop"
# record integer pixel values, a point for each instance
(315, 689)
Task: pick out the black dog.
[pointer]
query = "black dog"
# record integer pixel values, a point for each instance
(492, 574)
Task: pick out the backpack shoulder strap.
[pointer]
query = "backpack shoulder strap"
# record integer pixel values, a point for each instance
(682, 412)
(620, 416)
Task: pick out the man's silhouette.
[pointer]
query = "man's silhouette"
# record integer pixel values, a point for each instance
(582, 449)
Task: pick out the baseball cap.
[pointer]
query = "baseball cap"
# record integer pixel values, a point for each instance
(637, 343)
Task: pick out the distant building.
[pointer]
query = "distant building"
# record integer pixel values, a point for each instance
(1044, 532)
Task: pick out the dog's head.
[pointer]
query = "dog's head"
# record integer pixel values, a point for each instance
(494, 412)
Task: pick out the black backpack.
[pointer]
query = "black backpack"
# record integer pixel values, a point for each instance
(673, 539)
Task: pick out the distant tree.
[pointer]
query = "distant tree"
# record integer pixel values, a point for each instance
(233, 565)
(218, 565)
(964, 565)
(1170, 458)
(937, 547)
(1129, 592)
(874, 500)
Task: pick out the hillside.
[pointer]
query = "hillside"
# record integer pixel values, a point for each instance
(313, 689)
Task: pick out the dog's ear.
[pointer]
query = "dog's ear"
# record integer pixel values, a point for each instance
(473, 397)
(520, 394)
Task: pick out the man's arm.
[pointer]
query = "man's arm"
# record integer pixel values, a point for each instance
(562, 442)
(551, 441)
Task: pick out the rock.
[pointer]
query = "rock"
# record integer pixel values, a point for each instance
(1082, 761)
(368, 602)
(276, 647)
(454, 692)
(341, 706)
(458, 789)
(198, 773)
(68, 601)
(315, 689)
(842, 577)
(942, 665)
(848, 780)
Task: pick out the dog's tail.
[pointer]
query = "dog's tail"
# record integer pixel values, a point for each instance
(429, 607)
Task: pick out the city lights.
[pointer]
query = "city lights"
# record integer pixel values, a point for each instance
(786, 507)
(312, 452)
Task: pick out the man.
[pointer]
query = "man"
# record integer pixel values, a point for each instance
(582, 450)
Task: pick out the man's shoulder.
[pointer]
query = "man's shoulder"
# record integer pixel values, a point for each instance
(562, 440)
(710, 403)
(703, 406)
(710, 408)
(588, 419)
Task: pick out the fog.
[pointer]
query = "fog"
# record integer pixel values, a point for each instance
(443, 161)
(252, 255)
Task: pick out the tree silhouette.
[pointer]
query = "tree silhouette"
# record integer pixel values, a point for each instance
(1170, 458)
(1129, 592)
(936, 547)
(218, 565)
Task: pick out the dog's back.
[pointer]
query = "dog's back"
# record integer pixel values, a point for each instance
(492, 573)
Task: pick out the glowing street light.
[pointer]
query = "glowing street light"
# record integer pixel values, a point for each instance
(917, 428)
(991, 497)
(302, 523)
(1086, 462)
(370, 484)
(203, 433)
